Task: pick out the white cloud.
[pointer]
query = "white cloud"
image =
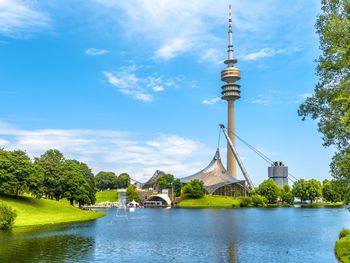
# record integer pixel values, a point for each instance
(96, 52)
(116, 151)
(137, 87)
(173, 48)
(262, 53)
(176, 27)
(261, 101)
(21, 18)
(211, 101)
(213, 55)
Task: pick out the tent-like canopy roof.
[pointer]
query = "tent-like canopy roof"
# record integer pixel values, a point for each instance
(214, 175)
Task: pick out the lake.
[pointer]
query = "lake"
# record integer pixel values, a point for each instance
(184, 235)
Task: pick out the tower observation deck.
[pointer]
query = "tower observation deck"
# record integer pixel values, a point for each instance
(230, 92)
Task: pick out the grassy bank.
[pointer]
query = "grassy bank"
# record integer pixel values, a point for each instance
(210, 201)
(342, 246)
(107, 196)
(32, 212)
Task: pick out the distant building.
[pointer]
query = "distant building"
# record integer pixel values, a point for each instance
(279, 173)
(217, 181)
(151, 184)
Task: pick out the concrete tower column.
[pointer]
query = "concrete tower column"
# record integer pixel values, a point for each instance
(230, 92)
(231, 161)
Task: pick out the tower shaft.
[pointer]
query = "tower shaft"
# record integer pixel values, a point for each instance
(230, 92)
(231, 161)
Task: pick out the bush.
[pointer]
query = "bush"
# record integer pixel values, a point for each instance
(7, 216)
(344, 233)
(342, 246)
(258, 200)
(194, 189)
(245, 201)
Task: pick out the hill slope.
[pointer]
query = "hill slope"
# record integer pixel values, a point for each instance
(31, 211)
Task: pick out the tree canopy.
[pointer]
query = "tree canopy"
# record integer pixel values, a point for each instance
(330, 103)
(194, 189)
(269, 190)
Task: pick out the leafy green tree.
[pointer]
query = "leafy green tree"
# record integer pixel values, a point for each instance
(269, 190)
(17, 173)
(313, 189)
(123, 181)
(194, 189)
(132, 194)
(335, 191)
(330, 103)
(7, 216)
(165, 181)
(105, 180)
(258, 200)
(76, 188)
(286, 195)
(177, 187)
(52, 166)
(90, 179)
(299, 190)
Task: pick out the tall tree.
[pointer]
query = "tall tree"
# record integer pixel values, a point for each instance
(165, 181)
(299, 190)
(17, 173)
(123, 181)
(335, 191)
(330, 103)
(105, 180)
(269, 190)
(52, 165)
(75, 186)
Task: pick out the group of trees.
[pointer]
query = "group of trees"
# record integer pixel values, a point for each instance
(109, 180)
(305, 190)
(50, 176)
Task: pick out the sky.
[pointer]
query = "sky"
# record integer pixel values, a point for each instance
(134, 86)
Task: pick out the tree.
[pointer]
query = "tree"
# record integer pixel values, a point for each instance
(105, 180)
(123, 181)
(17, 173)
(177, 187)
(299, 190)
(164, 181)
(335, 191)
(52, 166)
(270, 190)
(330, 103)
(131, 194)
(286, 195)
(313, 189)
(75, 186)
(90, 179)
(194, 189)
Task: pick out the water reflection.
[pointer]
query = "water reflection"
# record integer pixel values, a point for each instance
(184, 235)
(56, 248)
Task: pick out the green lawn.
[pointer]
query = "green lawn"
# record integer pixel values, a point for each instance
(31, 211)
(210, 201)
(107, 196)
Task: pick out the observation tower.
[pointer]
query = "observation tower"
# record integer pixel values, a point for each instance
(230, 92)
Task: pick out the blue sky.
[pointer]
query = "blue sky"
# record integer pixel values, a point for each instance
(134, 86)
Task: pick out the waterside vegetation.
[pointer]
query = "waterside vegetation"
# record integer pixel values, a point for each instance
(342, 246)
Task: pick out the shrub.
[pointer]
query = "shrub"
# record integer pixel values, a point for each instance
(258, 200)
(245, 201)
(342, 246)
(344, 233)
(7, 216)
(194, 189)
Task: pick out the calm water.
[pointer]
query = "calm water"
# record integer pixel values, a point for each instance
(185, 235)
